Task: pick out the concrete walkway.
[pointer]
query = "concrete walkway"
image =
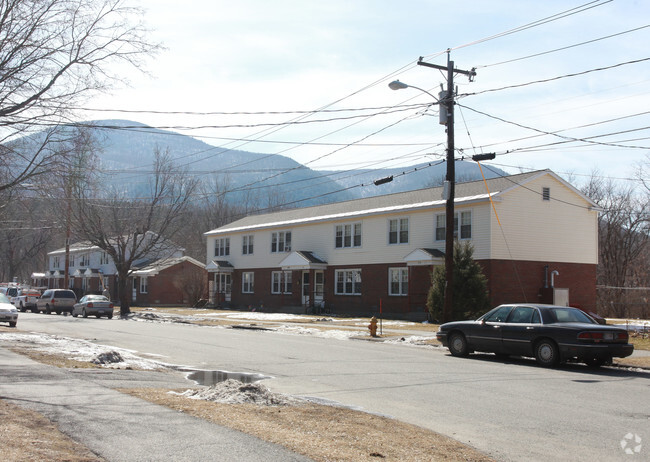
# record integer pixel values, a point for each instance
(119, 427)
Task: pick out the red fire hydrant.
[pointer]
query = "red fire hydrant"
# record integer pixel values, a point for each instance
(372, 327)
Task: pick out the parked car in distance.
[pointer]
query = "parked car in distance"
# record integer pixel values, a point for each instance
(550, 334)
(26, 299)
(8, 312)
(93, 305)
(57, 300)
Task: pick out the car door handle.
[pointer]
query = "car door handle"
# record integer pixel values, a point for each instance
(529, 328)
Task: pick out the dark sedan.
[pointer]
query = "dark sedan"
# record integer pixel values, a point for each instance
(550, 334)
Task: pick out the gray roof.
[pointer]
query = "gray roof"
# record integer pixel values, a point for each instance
(430, 197)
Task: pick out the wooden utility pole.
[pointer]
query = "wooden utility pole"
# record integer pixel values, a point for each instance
(447, 102)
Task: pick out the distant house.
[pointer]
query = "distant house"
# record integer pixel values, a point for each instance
(159, 279)
(535, 236)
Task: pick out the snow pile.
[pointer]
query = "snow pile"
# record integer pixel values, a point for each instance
(82, 350)
(235, 392)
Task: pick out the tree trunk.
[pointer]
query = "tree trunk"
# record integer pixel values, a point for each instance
(124, 293)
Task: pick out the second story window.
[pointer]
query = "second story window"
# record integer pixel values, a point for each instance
(247, 245)
(222, 247)
(398, 231)
(281, 242)
(465, 231)
(85, 260)
(71, 260)
(56, 262)
(103, 259)
(348, 236)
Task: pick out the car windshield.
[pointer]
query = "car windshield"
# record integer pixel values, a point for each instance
(570, 315)
(4, 299)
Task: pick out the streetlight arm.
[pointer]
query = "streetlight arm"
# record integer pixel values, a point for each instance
(397, 85)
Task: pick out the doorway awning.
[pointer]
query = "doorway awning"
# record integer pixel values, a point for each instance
(219, 266)
(303, 260)
(425, 257)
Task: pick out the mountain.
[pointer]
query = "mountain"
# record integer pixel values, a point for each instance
(258, 180)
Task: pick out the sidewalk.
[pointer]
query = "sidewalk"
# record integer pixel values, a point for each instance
(119, 427)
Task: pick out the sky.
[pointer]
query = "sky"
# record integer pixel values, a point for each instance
(245, 75)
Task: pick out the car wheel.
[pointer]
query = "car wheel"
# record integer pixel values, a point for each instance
(458, 344)
(58, 311)
(110, 316)
(22, 307)
(546, 353)
(74, 315)
(12, 323)
(47, 309)
(83, 313)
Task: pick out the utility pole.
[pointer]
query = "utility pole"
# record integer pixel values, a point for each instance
(448, 102)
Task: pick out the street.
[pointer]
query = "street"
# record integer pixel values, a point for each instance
(512, 410)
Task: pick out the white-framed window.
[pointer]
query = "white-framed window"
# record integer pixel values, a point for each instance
(281, 282)
(222, 247)
(348, 282)
(56, 262)
(465, 226)
(71, 260)
(84, 284)
(85, 260)
(348, 235)
(398, 231)
(281, 241)
(103, 258)
(398, 281)
(71, 282)
(144, 288)
(247, 245)
(247, 282)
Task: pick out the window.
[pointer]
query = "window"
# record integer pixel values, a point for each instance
(71, 260)
(465, 226)
(222, 247)
(71, 283)
(247, 280)
(523, 315)
(247, 245)
(85, 260)
(348, 235)
(546, 194)
(398, 281)
(103, 259)
(398, 231)
(281, 282)
(56, 262)
(348, 282)
(281, 242)
(143, 285)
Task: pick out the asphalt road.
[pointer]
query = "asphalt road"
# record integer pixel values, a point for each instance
(512, 410)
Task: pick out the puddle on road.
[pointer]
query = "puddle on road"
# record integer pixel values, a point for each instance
(208, 378)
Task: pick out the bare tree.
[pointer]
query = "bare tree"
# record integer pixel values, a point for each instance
(54, 54)
(130, 229)
(624, 237)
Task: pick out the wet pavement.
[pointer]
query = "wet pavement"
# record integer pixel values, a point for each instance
(120, 427)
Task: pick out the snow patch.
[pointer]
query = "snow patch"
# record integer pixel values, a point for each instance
(235, 392)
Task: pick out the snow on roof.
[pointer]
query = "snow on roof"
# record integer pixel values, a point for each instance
(157, 266)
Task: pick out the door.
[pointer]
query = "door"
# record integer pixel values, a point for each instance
(521, 327)
(306, 287)
(222, 283)
(319, 288)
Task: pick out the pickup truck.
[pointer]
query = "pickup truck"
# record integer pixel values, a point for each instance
(26, 299)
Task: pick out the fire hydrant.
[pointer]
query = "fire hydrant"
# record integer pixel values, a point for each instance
(372, 327)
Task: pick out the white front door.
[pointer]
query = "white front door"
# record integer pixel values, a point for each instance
(305, 288)
(319, 288)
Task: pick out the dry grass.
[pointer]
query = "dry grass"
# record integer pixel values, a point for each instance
(28, 436)
(323, 433)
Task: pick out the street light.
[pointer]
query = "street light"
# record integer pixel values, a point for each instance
(446, 118)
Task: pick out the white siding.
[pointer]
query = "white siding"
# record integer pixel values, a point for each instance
(562, 229)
